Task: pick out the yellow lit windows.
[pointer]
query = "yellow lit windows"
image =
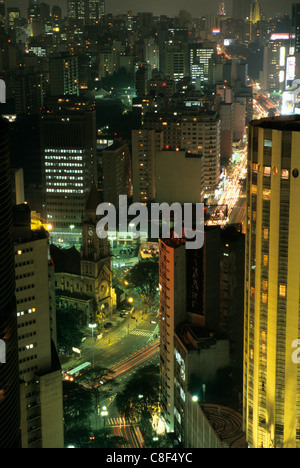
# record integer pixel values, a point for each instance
(265, 285)
(266, 260)
(282, 290)
(264, 298)
(266, 234)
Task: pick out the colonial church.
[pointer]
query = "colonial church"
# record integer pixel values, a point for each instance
(83, 280)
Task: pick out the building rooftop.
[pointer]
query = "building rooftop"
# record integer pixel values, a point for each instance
(227, 424)
(285, 122)
(195, 337)
(66, 260)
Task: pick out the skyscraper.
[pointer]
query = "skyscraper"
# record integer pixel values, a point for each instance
(39, 367)
(9, 370)
(68, 139)
(272, 318)
(241, 9)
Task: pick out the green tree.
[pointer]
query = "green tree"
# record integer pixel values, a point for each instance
(69, 333)
(78, 404)
(144, 277)
(97, 381)
(140, 397)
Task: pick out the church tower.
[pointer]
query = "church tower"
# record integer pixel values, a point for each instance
(96, 257)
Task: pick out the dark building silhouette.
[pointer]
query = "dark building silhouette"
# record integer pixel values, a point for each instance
(9, 371)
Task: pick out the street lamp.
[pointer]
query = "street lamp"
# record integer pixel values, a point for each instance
(130, 300)
(104, 414)
(93, 326)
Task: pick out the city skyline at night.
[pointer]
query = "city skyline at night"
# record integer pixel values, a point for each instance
(170, 7)
(149, 255)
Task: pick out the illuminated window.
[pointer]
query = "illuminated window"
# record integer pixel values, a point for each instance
(285, 174)
(265, 285)
(266, 234)
(282, 290)
(267, 170)
(264, 298)
(266, 260)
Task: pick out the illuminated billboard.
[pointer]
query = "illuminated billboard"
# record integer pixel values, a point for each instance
(290, 68)
(280, 37)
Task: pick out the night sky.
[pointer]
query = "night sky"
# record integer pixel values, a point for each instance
(169, 7)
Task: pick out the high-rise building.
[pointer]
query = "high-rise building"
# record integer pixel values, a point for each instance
(241, 9)
(255, 12)
(201, 135)
(272, 319)
(179, 177)
(85, 12)
(273, 76)
(13, 14)
(196, 132)
(175, 62)
(68, 140)
(117, 179)
(200, 62)
(221, 8)
(9, 369)
(39, 367)
(144, 145)
(199, 300)
(64, 76)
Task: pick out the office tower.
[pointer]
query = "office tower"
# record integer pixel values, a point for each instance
(198, 133)
(175, 62)
(179, 177)
(117, 179)
(144, 145)
(69, 157)
(200, 62)
(273, 76)
(200, 300)
(255, 12)
(64, 76)
(201, 135)
(172, 307)
(271, 373)
(241, 9)
(9, 370)
(39, 367)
